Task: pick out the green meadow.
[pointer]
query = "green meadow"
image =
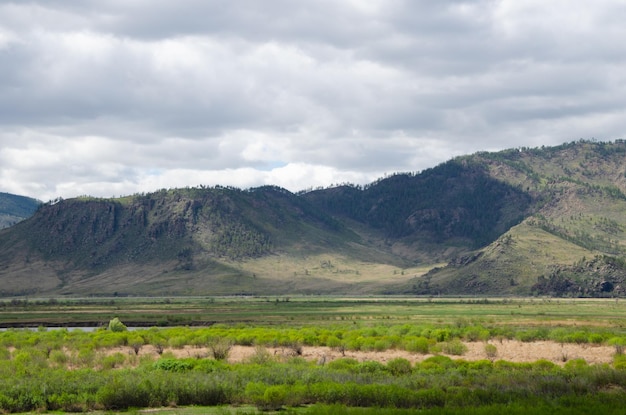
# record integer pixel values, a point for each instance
(104, 370)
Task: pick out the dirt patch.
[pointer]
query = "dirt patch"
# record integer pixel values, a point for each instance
(509, 350)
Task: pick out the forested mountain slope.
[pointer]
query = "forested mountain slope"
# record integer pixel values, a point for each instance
(455, 207)
(544, 221)
(573, 244)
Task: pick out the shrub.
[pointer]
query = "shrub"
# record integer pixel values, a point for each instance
(344, 363)
(491, 351)
(123, 394)
(173, 365)
(576, 364)
(596, 338)
(544, 365)
(578, 337)
(113, 361)
(472, 334)
(441, 335)
(618, 343)
(266, 398)
(59, 357)
(274, 397)
(529, 336)
(619, 361)
(370, 366)
(220, 348)
(355, 343)
(337, 344)
(399, 366)
(70, 402)
(454, 347)
(136, 342)
(261, 356)
(437, 362)
(295, 348)
(333, 341)
(115, 325)
(84, 357)
(418, 344)
(382, 344)
(177, 342)
(209, 366)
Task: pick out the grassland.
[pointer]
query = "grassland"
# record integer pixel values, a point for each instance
(187, 362)
(316, 311)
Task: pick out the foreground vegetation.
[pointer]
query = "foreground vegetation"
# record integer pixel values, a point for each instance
(438, 382)
(108, 369)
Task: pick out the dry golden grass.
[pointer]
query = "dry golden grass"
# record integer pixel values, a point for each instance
(508, 350)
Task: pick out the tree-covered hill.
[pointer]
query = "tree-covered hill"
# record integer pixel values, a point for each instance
(456, 204)
(541, 221)
(578, 215)
(177, 233)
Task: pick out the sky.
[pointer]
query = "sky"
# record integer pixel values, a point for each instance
(114, 97)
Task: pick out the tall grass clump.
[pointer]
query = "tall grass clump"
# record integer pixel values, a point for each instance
(220, 348)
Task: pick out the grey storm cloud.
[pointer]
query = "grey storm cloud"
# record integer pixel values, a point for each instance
(115, 97)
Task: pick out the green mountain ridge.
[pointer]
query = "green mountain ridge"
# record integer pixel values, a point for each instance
(542, 221)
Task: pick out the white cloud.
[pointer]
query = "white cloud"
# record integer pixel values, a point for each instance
(115, 97)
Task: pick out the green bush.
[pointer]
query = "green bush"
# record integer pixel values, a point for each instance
(266, 398)
(71, 402)
(115, 325)
(619, 361)
(123, 394)
(344, 363)
(173, 365)
(418, 344)
(533, 335)
(576, 365)
(112, 361)
(85, 357)
(370, 366)
(209, 366)
(399, 366)
(220, 348)
(261, 356)
(441, 335)
(437, 362)
(596, 338)
(619, 343)
(59, 357)
(454, 347)
(274, 397)
(491, 351)
(476, 333)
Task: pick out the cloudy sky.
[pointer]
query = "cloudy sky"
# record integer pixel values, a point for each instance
(113, 97)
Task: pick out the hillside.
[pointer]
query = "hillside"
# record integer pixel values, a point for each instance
(171, 242)
(14, 208)
(431, 216)
(544, 221)
(572, 244)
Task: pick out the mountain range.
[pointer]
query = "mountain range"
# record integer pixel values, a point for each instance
(526, 221)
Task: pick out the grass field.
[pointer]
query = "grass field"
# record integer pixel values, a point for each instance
(184, 355)
(311, 310)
